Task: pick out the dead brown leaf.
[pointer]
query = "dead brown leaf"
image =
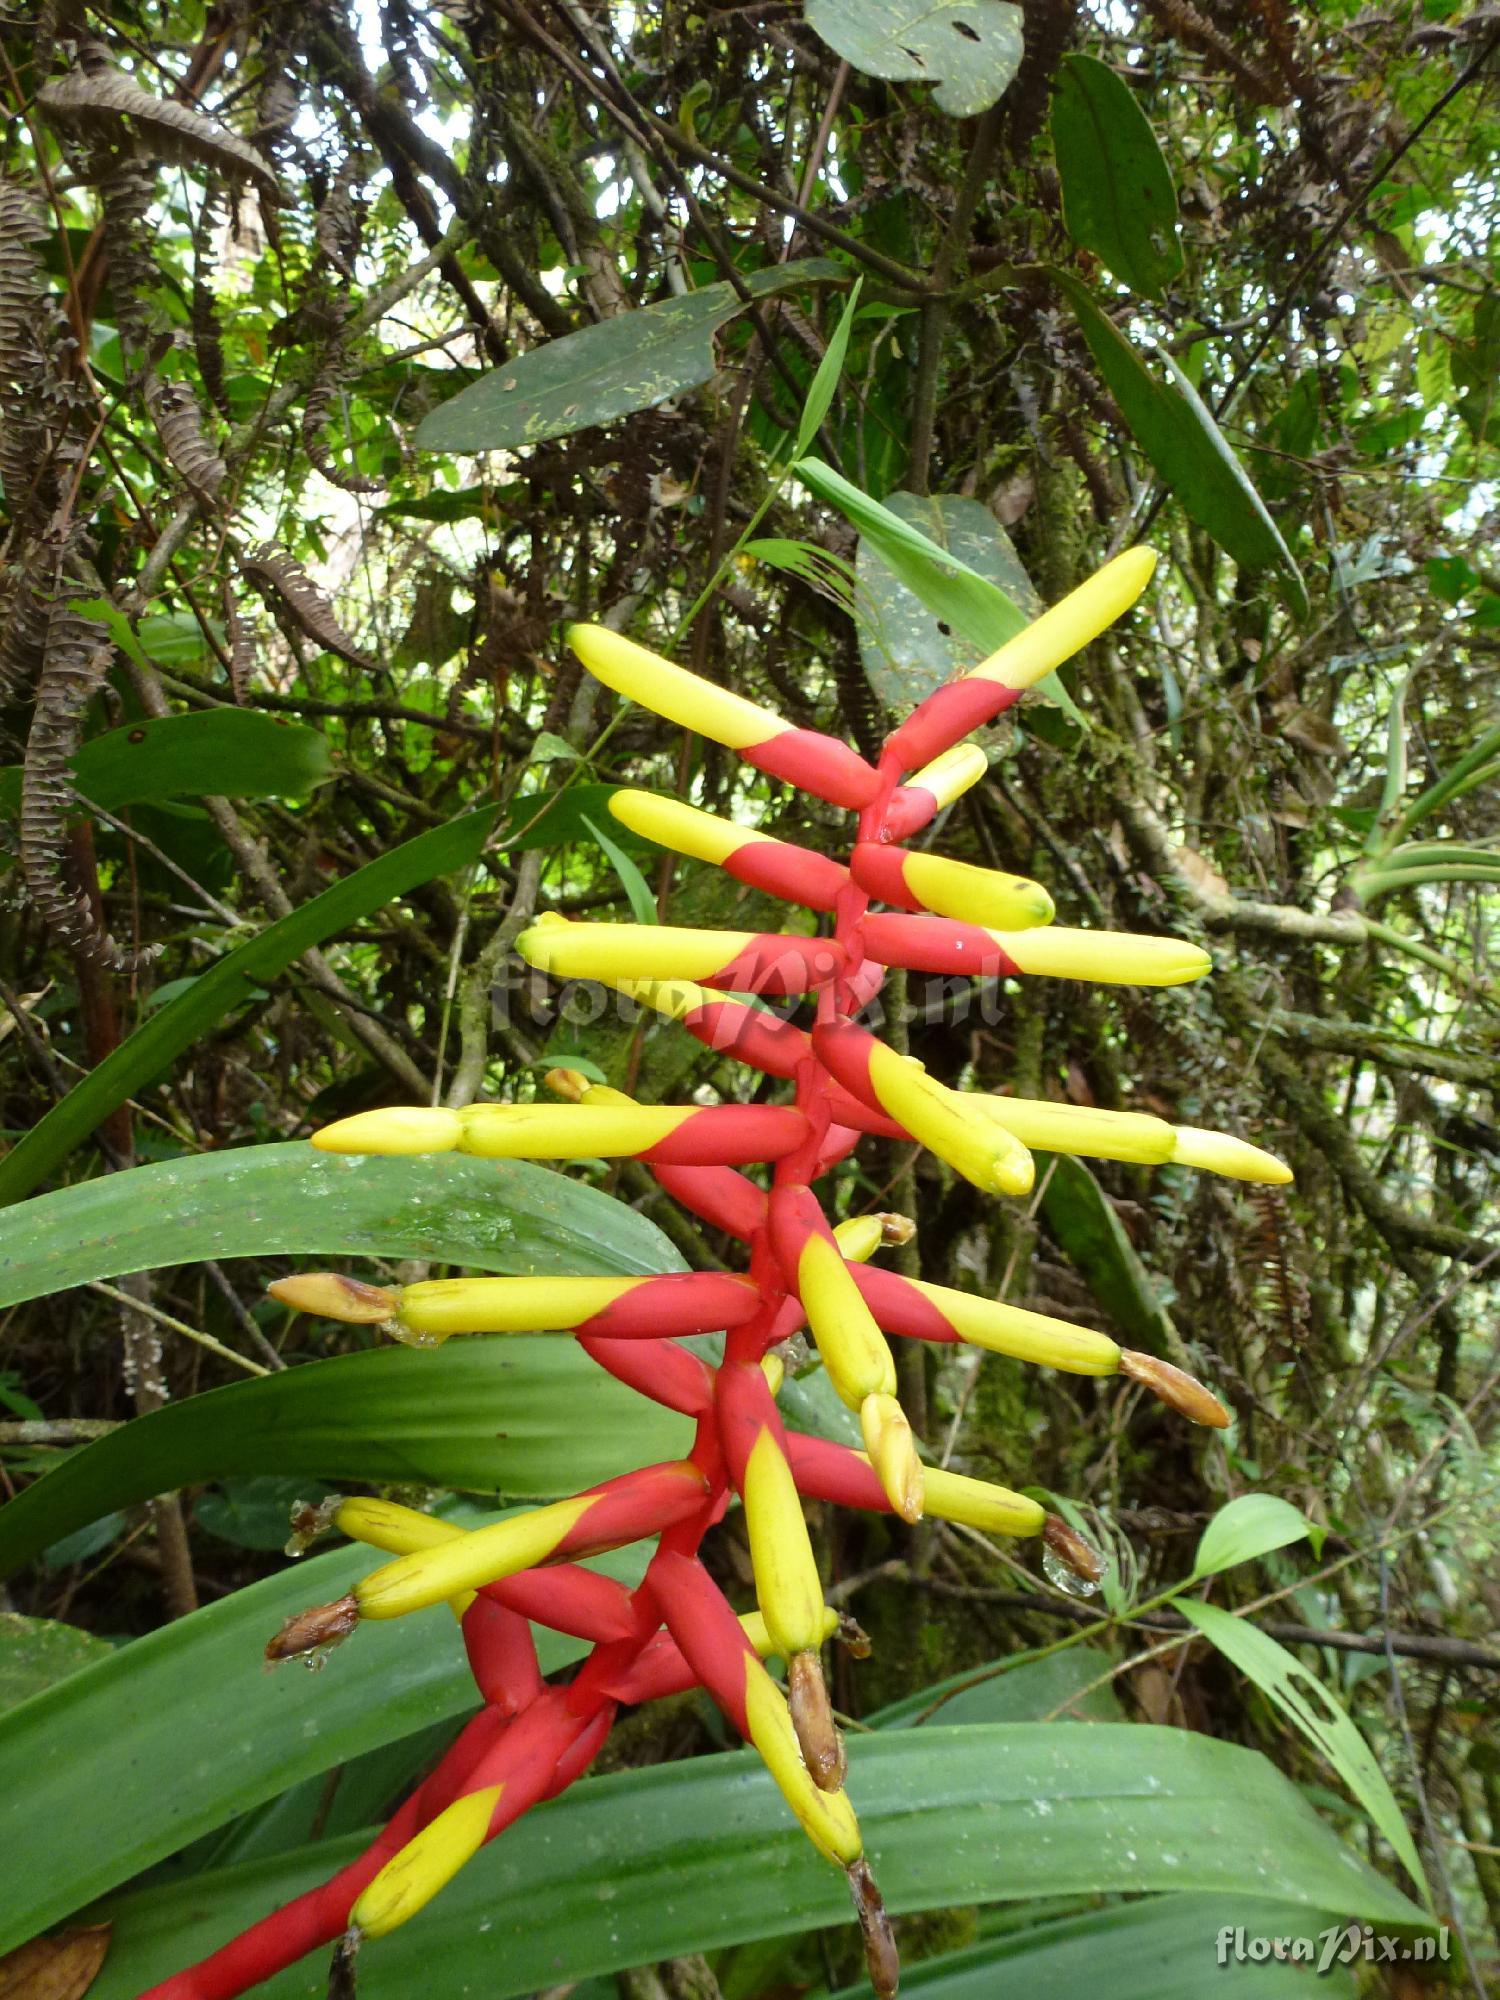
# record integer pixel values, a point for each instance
(55, 1968)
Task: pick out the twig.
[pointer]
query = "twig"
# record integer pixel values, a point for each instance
(193, 1333)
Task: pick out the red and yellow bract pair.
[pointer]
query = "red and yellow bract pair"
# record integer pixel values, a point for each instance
(677, 1630)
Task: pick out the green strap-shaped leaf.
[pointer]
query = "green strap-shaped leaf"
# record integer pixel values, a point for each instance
(1161, 1948)
(163, 1036)
(286, 1200)
(651, 1864)
(240, 752)
(129, 1760)
(1176, 430)
(630, 362)
(1082, 1218)
(1118, 197)
(524, 1417)
(528, 1417)
(971, 49)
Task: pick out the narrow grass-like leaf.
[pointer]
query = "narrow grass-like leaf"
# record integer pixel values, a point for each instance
(1307, 1704)
(637, 889)
(820, 392)
(163, 1036)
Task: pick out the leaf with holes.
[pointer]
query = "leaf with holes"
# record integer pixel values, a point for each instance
(1307, 1704)
(970, 49)
(630, 362)
(1117, 192)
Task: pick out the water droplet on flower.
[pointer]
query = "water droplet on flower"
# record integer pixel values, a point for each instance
(1062, 1578)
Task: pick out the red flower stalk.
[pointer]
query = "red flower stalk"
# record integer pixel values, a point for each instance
(677, 1630)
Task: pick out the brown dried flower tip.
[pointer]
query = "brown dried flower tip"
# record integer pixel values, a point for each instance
(812, 1718)
(853, 1637)
(332, 1296)
(1176, 1388)
(311, 1519)
(309, 1631)
(341, 1982)
(882, 1960)
(896, 1229)
(1072, 1550)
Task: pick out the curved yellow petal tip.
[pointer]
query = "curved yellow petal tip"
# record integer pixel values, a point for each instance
(1138, 562)
(1110, 958)
(1217, 1153)
(399, 1130)
(893, 1453)
(1014, 1172)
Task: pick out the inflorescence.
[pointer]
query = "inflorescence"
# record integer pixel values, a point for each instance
(675, 1631)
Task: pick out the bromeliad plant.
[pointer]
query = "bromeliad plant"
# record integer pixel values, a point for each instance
(530, 1740)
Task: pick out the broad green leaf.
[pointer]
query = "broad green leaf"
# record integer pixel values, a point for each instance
(970, 48)
(1248, 1527)
(908, 647)
(1160, 1948)
(560, 1423)
(1307, 1704)
(162, 1037)
(1028, 1691)
(290, 1199)
(1117, 192)
(825, 382)
(173, 1735)
(35, 1653)
(1082, 1218)
(238, 751)
(528, 1417)
(630, 362)
(1177, 432)
(651, 1864)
